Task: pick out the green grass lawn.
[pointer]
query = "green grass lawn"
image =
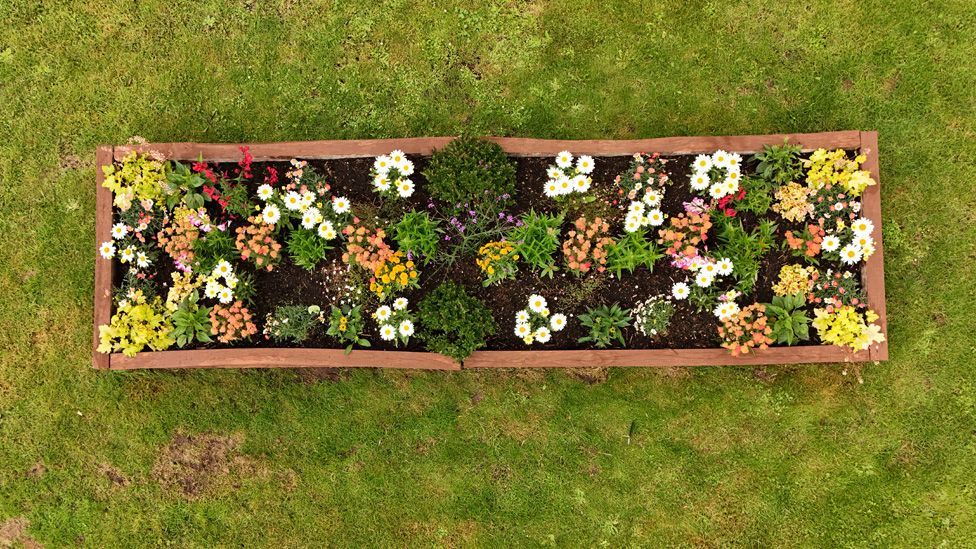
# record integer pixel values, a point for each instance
(809, 456)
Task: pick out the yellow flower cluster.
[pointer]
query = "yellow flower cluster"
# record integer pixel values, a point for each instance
(137, 324)
(794, 279)
(183, 286)
(835, 168)
(845, 327)
(497, 260)
(793, 202)
(393, 275)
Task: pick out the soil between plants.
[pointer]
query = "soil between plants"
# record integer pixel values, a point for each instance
(567, 293)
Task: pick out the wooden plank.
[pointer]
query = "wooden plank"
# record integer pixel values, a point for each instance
(283, 358)
(659, 357)
(103, 267)
(873, 273)
(517, 146)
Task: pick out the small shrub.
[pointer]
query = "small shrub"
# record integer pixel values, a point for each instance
(652, 317)
(191, 321)
(136, 178)
(292, 322)
(745, 249)
(418, 235)
(137, 323)
(454, 323)
(780, 164)
(789, 320)
(757, 199)
(469, 169)
(630, 252)
(605, 325)
(537, 240)
(307, 248)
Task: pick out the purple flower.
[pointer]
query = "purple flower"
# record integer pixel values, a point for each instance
(447, 237)
(501, 215)
(510, 219)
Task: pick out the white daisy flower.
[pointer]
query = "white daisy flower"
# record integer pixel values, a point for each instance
(636, 208)
(554, 172)
(731, 187)
(271, 214)
(735, 161)
(862, 226)
(326, 230)
(565, 185)
(387, 332)
(720, 159)
(581, 183)
(717, 190)
(830, 243)
(564, 159)
(405, 168)
(222, 268)
(680, 291)
(231, 281)
(733, 175)
(293, 201)
(704, 280)
(128, 254)
(557, 322)
(107, 249)
(211, 290)
(308, 198)
(265, 192)
(405, 188)
(543, 335)
(552, 189)
(710, 268)
(119, 230)
(311, 218)
(850, 254)
(400, 303)
(397, 157)
(406, 328)
(382, 164)
(522, 316)
(632, 223)
(340, 204)
(703, 163)
(381, 182)
(522, 329)
(700, 181)
(726, 310)
(655, 217)
(383, 313)
(653, 198)
(724, 266)
(537, 303)
(696, 263)
(584, 164)
(225, 296)
(864, 242)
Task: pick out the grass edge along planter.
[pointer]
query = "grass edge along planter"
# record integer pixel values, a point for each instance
(872, 273)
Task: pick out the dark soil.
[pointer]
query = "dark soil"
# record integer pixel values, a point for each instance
(566, 292)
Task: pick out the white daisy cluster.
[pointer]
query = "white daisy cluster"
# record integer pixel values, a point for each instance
(861, 244)
(727, 308)
(396, 322)
(707, 270)
(644, 212)
(214, 289)
(718, 174)
(569, 175)
(127, 251)
(391, 175)
(534, 324)
(305, 206)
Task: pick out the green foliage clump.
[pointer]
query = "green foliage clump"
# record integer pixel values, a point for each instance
(211, 248)
(454, 323)
(346, 324)
(758, 198)
(183, 185)
(780, 164)
(293, 322)
(191, 322)
(537, 239)
(789, 319)
(652, 317)
(606, 325)
(470, 169)
(137, 177)
(418, 234)
(306, 248)
(138, 323)
(744, 248)
(632, 251)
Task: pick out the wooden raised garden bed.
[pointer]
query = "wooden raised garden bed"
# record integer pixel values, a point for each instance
(872, 271)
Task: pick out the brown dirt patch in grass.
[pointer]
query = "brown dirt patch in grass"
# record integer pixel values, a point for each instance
(589, 376)
(311, 376)
(115, 476)
(195, 463)
(13, 532)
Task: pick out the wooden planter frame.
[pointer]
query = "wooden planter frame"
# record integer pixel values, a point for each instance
(872, 273)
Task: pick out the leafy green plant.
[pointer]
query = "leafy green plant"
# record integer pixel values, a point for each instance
(758, 198)
(211, 248)
(470, 169)
(780, 164)
(346, 324)
(744, 248)
(191, 322)
(454, 323)
(632, 251)
(183, 184)
(789, 320)
(238, 199)
(292, 322)
(418, 234)
(652, 317)
(307, 248)
(537, 239)
(606, 325)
